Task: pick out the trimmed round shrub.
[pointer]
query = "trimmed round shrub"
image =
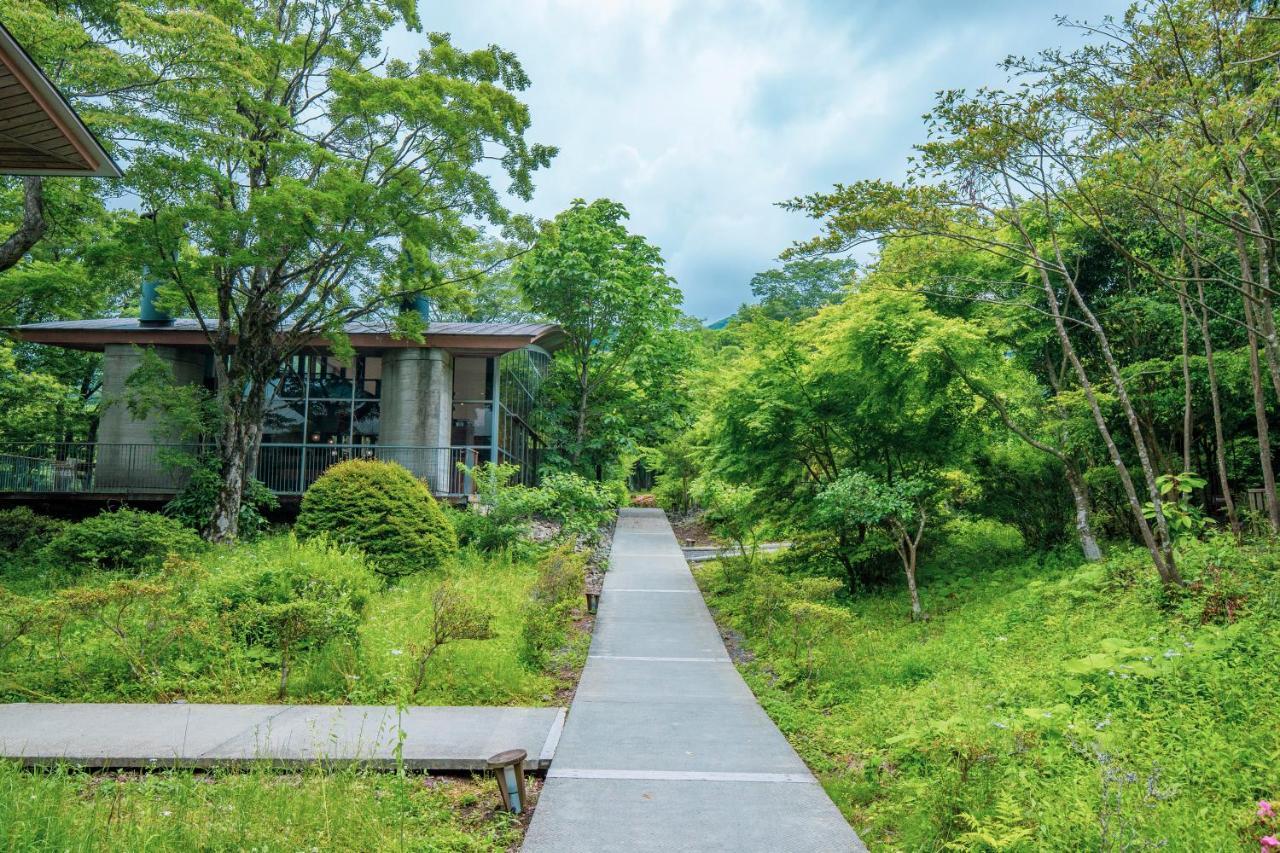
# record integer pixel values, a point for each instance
(382, 509)
(22, 530)
(124, 540)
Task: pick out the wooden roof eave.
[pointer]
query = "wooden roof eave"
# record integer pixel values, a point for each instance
(51, 105)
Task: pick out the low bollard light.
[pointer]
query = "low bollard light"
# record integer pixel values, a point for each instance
(508, 769)
(593, 602)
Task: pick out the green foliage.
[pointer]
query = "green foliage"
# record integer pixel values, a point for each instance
(194, 504)
(607, 289)
(505, 510)
(382, 509)
(676, 462)
(549, 610)
(454, 617)
(800, 288)
(264, 809)
(1175, 497)
(303, 596)
(22, 531)
(122, 540)
(207, 630)
(1044, 706)
(971, 544)
(579, 505)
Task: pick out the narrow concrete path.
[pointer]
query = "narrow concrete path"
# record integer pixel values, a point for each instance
(665, 747)
(435, 738)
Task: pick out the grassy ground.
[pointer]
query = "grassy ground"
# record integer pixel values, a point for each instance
(172, 646)
(69, 811)
(1045, 705)
(81, 658)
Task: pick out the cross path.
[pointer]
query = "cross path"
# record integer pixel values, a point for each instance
(665, 747)
(435, 738)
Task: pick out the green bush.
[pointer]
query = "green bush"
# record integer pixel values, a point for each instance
(383, 510)
(505, 512)
(975, 543)
(292, 597)
(23, 531)
(123, 540)
(193, 506)
(547, 615)
(581, 506)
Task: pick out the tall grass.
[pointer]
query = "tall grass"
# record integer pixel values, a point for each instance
(65, 810)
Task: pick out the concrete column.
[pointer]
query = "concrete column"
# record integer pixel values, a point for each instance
(417, 412)
(126, 458)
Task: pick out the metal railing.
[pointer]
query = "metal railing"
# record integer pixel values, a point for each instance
(91, 468)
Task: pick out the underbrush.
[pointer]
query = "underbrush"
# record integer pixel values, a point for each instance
(278, 619)
(1045, 704)
(63, 809)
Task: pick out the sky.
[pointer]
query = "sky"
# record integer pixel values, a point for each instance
(701, 115)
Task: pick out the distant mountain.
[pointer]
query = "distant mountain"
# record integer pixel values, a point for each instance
(720, 324)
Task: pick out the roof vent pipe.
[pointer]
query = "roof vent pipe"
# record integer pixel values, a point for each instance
(418, 303)
(148, 313)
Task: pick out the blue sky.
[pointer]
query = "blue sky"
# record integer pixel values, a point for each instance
(700, 115)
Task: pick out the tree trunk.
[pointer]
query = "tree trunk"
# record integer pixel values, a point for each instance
(1164, 541)
(1260, 419)
(584, 397)
(1262, 292)
(1084, 514)
(237, 451)
(1219, 440)
(1186, 379)
(1164, 566)
(909, 564)
(284, 673)
(32, 227)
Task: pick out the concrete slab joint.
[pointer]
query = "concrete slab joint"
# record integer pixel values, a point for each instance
(665, 747)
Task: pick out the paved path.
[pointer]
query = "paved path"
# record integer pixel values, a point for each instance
(436, 738)
(665, 748)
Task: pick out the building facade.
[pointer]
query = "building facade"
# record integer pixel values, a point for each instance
(466, 394)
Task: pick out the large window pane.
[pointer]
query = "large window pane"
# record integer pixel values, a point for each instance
(284, 421)
(369, 368)
(331, 378)
(329, 422)
(365, 424)
(471, 379)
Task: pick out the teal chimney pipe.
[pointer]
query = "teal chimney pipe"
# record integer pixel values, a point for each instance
(148, 313)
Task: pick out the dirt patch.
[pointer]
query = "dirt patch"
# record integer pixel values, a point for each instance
(691, 532)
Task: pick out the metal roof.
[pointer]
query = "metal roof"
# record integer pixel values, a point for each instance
(186, 331)
(40, 134)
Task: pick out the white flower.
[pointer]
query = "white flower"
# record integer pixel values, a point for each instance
(165, 813)
(1170, 654)
(1002, 639)
(397, 651)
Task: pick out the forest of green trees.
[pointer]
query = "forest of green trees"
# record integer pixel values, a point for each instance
(1011, 413)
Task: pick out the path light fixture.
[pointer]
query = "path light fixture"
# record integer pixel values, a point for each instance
(593, 602)
(508, 769)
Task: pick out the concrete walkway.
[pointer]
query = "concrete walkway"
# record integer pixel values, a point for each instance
(665, 748)
(436, 738)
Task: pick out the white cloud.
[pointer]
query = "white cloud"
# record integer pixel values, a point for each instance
(700, 115)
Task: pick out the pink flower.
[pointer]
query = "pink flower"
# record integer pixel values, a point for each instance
(1265, 810)
(1269, 842)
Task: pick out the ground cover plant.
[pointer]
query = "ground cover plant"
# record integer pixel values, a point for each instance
(1047, 703)
(62, 809)
(280, 619)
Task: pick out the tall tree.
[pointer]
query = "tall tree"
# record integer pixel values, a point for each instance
(609, 291)
(799, 288)
(296, 178)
